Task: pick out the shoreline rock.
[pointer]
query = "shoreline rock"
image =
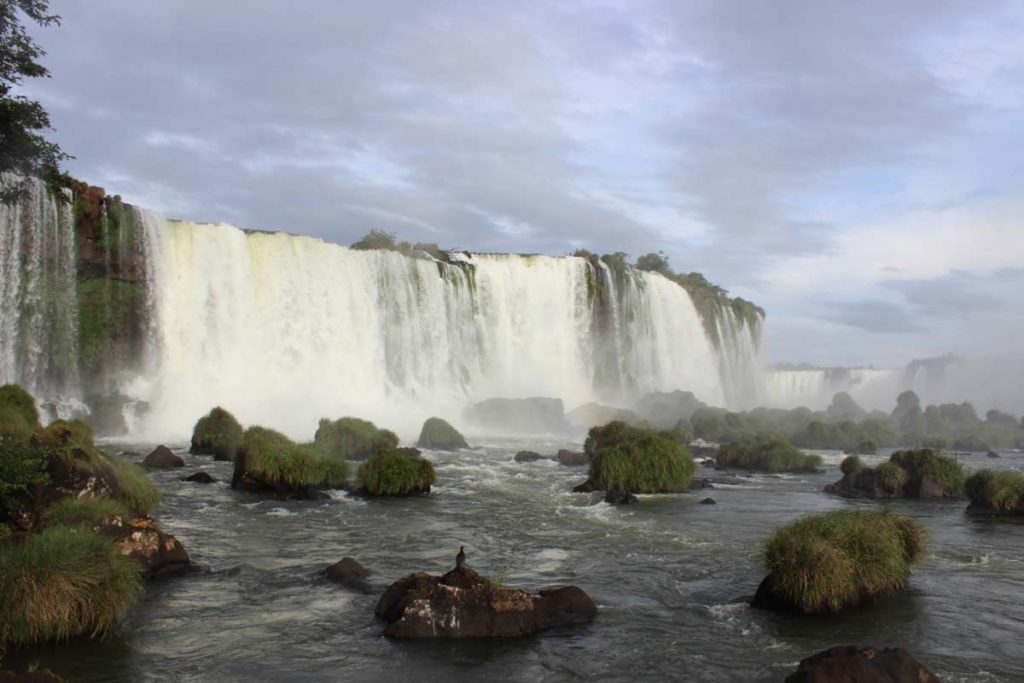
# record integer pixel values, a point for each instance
(852, 664)
(162, 458)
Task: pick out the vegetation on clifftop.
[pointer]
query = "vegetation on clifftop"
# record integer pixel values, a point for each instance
(826, 562)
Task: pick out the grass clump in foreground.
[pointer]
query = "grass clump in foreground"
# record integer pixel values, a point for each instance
(398, 472)
(134, 486)
(63, 582)
(637, 460)
(997, 492)
(352, 438)
(766, 454)
(276, 461)
(826, 562)
(218, 434)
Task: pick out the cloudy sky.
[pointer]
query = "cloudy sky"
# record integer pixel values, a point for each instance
(855, 168)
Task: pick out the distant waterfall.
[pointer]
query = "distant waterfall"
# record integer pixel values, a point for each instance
(814, 387)
(38, 307)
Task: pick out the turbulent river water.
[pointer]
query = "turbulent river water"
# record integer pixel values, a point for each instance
(668, 576)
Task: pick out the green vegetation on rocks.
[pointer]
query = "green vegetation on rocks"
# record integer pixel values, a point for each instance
(18, 402)
(397, 472)
(218, 434)
(353, 439)
(925, 463)
(766, 454)
(911, 474)
(439, 435)
(86, 512)
(830, 561)
(134, 486)
(61, 583)
(270, 460)
(637, 460)
(997, 492)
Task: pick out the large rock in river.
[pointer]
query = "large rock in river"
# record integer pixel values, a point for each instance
(463, 604)
(160, 554)
(440, 436)
(520, 415)
(851, 664)
(162, 458)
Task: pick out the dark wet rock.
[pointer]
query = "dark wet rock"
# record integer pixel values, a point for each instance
(704, 483)
(767, 599)
(708, 462)
(528, 456)
(572, 458)
(620, 497)
(708, 501)
(439, 435)
(852, 664)
(349, 573)
(585, 487)
(163, 458)
(463, 604)
(993, 454)
(160, 554)
(200, 477)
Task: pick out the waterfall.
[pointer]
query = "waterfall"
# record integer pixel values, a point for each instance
(177, 317)
(284, 329)
(813, 388)
(38, 307)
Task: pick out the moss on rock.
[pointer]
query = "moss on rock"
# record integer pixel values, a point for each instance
(397, 472)
(766, 454)
(831, 561)
(15, 402)
(352, 438)
(218, 434)
(439, 435)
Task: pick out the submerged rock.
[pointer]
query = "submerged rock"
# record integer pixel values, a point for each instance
(349, 573)
(162, 458)
(200, 477)
(620, 497)
(993, 454)
(528, 456)
(463, 604)
(572, 458)
(852, 664)
(708, 501)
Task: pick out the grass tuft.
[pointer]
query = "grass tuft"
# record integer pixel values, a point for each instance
(637, 460)
(136, 489)
(84, 512)
(825, 562)
(61, 583)
(218, 434)
(925, 462)
(851, 465)
(275, 459)
(398, 472)
(21, 403)
(353, 439)
(766, 454)
(997, 491)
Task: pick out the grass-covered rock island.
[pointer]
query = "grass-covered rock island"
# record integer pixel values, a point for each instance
(765, 454)
(921, 473)
(831, 561)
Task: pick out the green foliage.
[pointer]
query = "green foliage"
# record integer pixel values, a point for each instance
(352, 438)
(15, 401)
(825, 562)
(22, 465)
(998, 491)
(134, 486)
(274, 458)
(438, 434)
(945, 471)
(851, 465)
(657, 263)
(85, 512)
(637, 460)
(398, 472)
(217, 433)
(376, 239)
(766, 454)
(891, 476)
(23, 150)
(867, 447)
(63, 582)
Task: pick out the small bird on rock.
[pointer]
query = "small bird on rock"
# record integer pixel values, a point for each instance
(460, 559)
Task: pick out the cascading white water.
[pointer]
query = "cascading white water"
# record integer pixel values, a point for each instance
(814, 387)
(283, 330)
(38, 308)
